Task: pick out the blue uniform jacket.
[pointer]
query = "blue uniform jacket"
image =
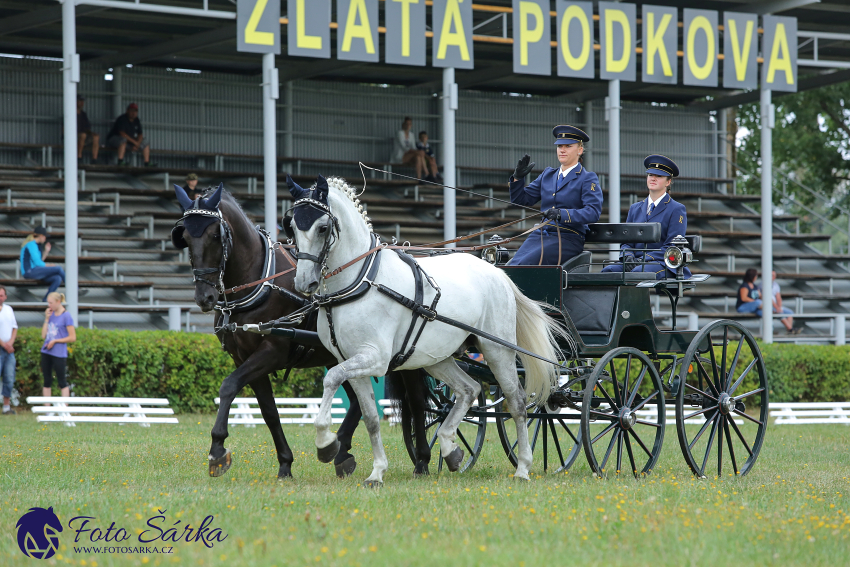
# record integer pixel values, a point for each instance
(674, 221)
(578, 195)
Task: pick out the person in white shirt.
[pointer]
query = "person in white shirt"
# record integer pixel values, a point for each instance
(405, 151)
(788, 322)
(8, 333)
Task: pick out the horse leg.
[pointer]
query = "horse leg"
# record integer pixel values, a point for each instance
(360, 366)
(265, 399)
(363, 388)
(344, 461)
(262, 362)
(414, 406)
(503, 364)
(466, 390)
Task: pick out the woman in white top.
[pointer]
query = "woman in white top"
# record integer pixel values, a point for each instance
(405, 152)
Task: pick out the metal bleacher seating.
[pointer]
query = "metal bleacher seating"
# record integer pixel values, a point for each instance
(130, 273)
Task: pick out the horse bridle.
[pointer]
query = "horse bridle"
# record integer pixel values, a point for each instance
(226, 242)
(330, 236)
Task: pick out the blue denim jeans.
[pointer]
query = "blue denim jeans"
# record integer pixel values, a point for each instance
(53, 276)
(751, 307)
(7, 370)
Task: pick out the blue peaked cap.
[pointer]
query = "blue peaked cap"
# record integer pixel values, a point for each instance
(661, 165)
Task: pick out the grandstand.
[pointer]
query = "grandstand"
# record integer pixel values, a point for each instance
(202, 113)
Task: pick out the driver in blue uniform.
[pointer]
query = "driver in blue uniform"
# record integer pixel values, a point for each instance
(658, 207)
(570, 198)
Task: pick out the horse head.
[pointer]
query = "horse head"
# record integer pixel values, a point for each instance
(205, 232)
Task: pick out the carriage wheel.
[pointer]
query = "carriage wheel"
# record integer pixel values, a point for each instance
(620, 430)
(470, 432)
(554, 439)
(713, 395)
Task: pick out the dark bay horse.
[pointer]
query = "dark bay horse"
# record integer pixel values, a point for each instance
(227, 251)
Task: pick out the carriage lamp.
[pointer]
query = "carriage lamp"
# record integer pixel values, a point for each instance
(495, 254)
(677, 256)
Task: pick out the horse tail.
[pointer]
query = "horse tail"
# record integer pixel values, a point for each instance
(395, 391)
(537, 332)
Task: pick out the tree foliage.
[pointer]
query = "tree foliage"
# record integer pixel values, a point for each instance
(811, 143)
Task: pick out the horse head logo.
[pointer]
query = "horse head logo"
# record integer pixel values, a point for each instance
(38, 533)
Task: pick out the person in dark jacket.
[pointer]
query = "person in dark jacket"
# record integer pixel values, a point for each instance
(127, 130)
(84, 131)
(570, 198)
(657, 207)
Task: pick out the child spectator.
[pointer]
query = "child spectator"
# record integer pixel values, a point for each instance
(423, 146)
(58, 332)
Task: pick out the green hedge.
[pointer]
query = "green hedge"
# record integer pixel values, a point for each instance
(186, 368)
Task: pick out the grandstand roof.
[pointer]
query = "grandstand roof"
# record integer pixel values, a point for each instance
(112, 37)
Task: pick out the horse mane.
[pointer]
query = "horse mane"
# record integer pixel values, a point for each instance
(341, 185)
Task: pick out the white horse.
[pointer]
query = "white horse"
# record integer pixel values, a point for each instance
(330, 229)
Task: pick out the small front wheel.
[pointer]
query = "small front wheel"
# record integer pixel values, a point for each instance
(623, 414)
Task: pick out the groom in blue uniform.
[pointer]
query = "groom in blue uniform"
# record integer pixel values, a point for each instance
(658, 207)
(570, 198)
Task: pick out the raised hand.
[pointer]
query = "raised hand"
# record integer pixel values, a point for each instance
(523, 167)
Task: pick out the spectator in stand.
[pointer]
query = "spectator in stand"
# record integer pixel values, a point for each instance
(127, 130)
(8, 332)
(84, 131)
(405, 151)
(778, 307)
(191, 186)
(33, 253)
(748, 294)
(58, 332)
(423, 146)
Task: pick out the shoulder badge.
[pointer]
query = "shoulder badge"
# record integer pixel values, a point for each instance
(680, 218)
(593, 186)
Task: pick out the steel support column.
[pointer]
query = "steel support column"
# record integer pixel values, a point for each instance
(288, 119)
(612, 107)
(450, 105)
(70, 78)
(767, 118)
(271, 90)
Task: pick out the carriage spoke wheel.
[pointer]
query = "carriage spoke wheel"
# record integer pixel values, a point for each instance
(721, 400)
(554, 438)
(470, 432)
(619, 433)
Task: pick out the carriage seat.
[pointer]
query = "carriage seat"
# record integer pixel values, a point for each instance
(578, 264)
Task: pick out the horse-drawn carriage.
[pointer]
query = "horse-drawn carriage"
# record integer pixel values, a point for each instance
(611, 403)
(615, 372)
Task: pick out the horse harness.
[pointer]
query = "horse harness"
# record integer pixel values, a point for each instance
(261, 292)
(366, 279)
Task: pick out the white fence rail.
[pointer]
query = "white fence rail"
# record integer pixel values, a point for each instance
(802, 413)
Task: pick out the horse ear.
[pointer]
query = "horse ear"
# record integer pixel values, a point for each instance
(295, 190)
(322, 190)
(213, 201)
(183, 198)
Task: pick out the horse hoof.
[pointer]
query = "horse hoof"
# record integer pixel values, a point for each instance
(454, 459)
(525, 478)
(221, 465)
(346, 467)
(327, 454)
(285, 472)
(373, 484)
(421, 469)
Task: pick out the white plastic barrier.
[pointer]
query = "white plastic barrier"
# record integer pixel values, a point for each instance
(800, 413)
(101, 410)
(247, 411)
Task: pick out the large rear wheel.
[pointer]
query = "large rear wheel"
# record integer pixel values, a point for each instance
(726, 398)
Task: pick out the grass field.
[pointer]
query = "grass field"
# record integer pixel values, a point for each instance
(791, 510)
